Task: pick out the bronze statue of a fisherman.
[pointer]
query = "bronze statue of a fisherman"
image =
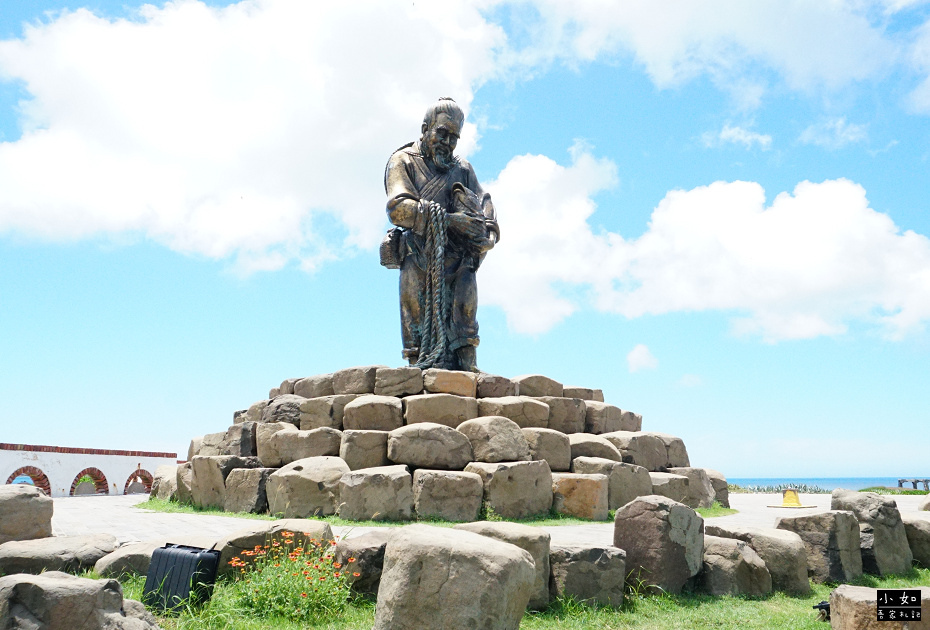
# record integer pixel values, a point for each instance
(446, 223)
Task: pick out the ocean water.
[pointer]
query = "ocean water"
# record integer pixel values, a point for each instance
(827, 483)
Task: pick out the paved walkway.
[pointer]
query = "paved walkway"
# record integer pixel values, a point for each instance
(117, 515)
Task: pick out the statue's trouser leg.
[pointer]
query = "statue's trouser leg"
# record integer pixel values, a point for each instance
(464, 333)
(412, 280)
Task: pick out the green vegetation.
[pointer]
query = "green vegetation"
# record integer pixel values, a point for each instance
(715, 510)
(885, 490)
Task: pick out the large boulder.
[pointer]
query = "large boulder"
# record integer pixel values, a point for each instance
(587, 573)
(58, 601)
(856, 608)
(676, 453)
(315, 386)
(882, 538)
(832, 543)
(602, 418)
(537, 385)
(183, 479)
(782, 551)
(515, 490)
(625, 482)
(584, 393)
(373, 413)
(642, 449)
(700, 489)
(550, 446)
(25, 513)
(376, 494)
(447, 495)
(565, 414)
(165, 482)
(284, 408)
(675, 487)
(663, 540)
(307, 487)
(720, 485)
(525, 411)
(254, 412)
(209, 445)
(60, 553)
(443, 580)
(208, 478)
(239, 439)
(356, 380)
(429, 445)
(437, 381)
(245, 490)
(288, 444)
(580, 495)
(493, 386)
(533, 540)
(444, 409)
(495, 439)
(402, 381)
(364, 449)
(324, 411)
(917, 529)
(365, 555)
(261, 533)
(585, 445)
(732, 567)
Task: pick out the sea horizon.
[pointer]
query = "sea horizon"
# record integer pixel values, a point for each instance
(827, 483)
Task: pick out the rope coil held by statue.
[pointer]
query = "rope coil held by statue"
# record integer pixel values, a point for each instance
(433, 340)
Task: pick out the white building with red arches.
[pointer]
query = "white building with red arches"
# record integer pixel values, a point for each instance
(58, 469)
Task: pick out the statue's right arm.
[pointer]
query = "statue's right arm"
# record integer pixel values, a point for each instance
(403, 202)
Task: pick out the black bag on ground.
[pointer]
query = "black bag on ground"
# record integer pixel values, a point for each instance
(178, 575)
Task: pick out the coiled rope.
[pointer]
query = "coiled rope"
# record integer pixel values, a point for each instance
(433, 338)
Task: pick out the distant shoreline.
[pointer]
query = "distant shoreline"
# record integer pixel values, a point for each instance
(827, 483)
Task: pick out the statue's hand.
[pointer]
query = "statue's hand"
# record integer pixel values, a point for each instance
(470, 227)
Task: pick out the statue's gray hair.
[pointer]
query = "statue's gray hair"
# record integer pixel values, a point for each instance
(444, 105)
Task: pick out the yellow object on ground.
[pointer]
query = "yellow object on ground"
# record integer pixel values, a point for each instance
(790, 499)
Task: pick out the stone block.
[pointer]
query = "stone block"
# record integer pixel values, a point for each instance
(882, 539)
(675, 450)
(208, 478)
(565, 414)
(326, 411)
(376, 494)
(625, 482)
(274, 392)
(631, 421)
(721, 488)
(165, 482)
(288, 444)
(642, 449)
(373, 413)
(284, 408)
(239, 440)
(245, 490)
(356, 380)
(855, 608)
(673, 486)
(436, 381)
(917, 530)
(265, 447)
(259, 533)
(447, 495)
(403, 381)
(495, 439)
(307, 487)
(445, 409)
(515, 490)
(537, 385)
(700, 490)
(194, 447)
(525, 411)
(184, 477)
(70, 554)
(586, 445)
(210, 445)
(584, 393)
(832, 543)
(25, 513)
(254, 412)
(594, 574)
(491, 386)
(731, 567)
(365, 555)
(287, 386)
(429, 445)
(549, 446)
(580, 495)
(782, 551)
(364, 449)
(315, 386)
(602, 418)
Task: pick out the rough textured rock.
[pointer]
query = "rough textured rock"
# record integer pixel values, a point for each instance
(164, 483)
(587, 573)
(549, 446)
(356, 380)
(267, 449)
(580, 495)
(245, 490)
(663, 540)
(25, 513)
(783, 553)
(261, 533)
(364, 449)
(445, 409)
(402, 381)
(625, 482)
(719, 483)
(515, 489)
(673, 486)
(491, 386)
(377, 494)
(373, 413)
(525, 411)
(194, 447)
(284, 408)
(675, 450)
(642, 449)
(434, 578)
(631, 421)
(832, 543)
(533, 540)
(315, 386)
(239, 440)
(209, 445)
(602, 418)
(565, 414)
(584, 445)
(855, 608)
(307, 487)
(365, 555)
(287, 386)
(290, 444)
(208, 478)
(448, 495)
(882, 538)
(584, 393)
(274, 392)
(700, 490)
(326, 411)
(58, 601)
(917, 529)
(537, 385)
(59, 553)
(429, 445)
(254, 412)
(732, 567)
(495, 439)
(437, 381)
(184, 477)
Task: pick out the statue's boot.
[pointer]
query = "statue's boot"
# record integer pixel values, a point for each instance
(467, 357)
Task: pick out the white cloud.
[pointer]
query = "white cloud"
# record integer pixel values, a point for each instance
(737, 135)
(833, 134)
(920, 59)
(806, 265)
(640, 358)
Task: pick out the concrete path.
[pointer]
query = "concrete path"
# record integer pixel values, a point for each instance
(117, 515)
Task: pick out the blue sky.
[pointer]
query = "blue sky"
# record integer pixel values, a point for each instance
(715, 211)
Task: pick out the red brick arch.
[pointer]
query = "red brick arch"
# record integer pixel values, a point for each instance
(142, 474)
(38, 478)
(100, 480)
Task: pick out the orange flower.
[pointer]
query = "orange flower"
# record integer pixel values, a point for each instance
(322, 578)
(356, 574)
(303, 594)
(337, 565)
(287, 534)
(351, 559)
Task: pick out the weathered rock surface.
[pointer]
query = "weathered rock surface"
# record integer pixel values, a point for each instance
(602, 418)
(832, 543)
(429, 445)
(525, 411)
(855, 608)
(782, 551)
(882, 538)
(287, 444)
(537, 385)
(324, 411)
(59, 553)
(287, 386)
(625, 482)
(663, 540)
(245, 490)
(444, 409)
(642, 449)
(58, 601)
(550, 446)
(533, 540)
(719, 483)
(675, 450)
(208, 478)
(254, 412)
(448, 495)
(402, 381)
(164, 482)
(917, 529)
(437, 579)
(210, 445)
(700, 489)
(240, 440)
(373, 413)
(377, 494)
(364, 555)
(584, 445)
(364, 449)
(262, 533)
(356, 380)
(284, 408)
(631, 421)
(25, 513)
(732, 567)
(495, 439)
(515, 490)
(588, 573)
(455, 382)
(580, 495)
(673, 486)
(492, 386)
(184, 477)
(566, 415)
(307, 487)
(315, 386)
(584, 393)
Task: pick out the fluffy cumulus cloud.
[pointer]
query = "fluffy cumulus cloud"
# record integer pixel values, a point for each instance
(641, 358)
(807, 264)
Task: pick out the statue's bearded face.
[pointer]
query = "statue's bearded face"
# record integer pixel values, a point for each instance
(439, 141)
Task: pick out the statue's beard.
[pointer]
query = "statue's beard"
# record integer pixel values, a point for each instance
(442, 158)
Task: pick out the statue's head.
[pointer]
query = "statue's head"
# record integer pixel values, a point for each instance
(442, 126)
